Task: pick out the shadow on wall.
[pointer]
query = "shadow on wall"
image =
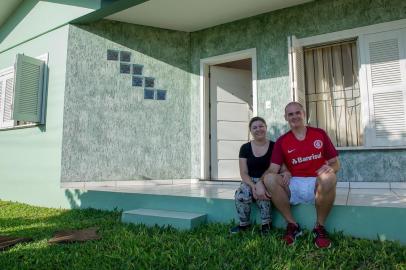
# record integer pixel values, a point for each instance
(168, 46)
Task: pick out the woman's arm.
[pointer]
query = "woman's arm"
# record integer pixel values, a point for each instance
(244, 173)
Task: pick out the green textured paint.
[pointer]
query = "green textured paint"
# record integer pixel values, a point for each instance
(384, 223)
(30, 160)
(373, 166)
(268, 33)
(117, 134)
(34, 17)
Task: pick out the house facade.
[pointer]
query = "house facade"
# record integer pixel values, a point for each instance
(127, 92)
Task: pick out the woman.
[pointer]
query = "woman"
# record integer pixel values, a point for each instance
(254, 158)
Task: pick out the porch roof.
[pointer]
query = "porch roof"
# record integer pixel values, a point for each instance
(193, 15)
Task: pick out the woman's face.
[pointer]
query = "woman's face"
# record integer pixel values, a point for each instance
(258, 129)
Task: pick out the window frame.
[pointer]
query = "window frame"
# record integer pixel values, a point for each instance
(357, 34)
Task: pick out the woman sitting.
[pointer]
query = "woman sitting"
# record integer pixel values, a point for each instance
(254, 158)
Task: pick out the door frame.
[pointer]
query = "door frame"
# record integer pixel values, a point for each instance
(205, 63)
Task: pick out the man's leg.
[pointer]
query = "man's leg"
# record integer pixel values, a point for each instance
(325, 195)
(279, 195)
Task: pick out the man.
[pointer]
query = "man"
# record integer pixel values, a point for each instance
(313, 163)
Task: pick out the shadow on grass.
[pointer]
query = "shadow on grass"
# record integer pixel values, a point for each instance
(44, 225)
(128, 246)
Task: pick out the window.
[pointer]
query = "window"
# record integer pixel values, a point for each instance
(354, 89)
(22, 92)
(332, 94)
(6, 97)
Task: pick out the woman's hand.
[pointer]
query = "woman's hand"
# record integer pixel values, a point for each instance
(286, 175)
(260, 193)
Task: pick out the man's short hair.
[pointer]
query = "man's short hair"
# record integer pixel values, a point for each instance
(294, 103)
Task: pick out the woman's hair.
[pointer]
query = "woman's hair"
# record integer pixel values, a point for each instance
(256, 118)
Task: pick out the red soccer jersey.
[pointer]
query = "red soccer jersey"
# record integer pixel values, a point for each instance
(304, 158)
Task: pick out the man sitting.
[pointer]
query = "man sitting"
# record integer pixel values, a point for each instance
(313, 163)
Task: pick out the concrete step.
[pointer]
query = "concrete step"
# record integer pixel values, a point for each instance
(151, 217)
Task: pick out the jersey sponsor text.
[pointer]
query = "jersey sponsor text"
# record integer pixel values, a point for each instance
(299, 160)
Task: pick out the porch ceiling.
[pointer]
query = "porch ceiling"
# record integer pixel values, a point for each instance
(193, 15)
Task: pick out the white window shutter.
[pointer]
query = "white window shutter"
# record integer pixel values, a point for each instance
(384, 58)
(6, 98)
(29, 87)
(296, 70)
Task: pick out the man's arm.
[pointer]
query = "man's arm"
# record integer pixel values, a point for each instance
(331, 166)
(273, 168)
(335, 164)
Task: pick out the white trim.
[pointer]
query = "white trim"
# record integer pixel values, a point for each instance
(19, 127)
(6, 74)
(6, 70)
(234, 56)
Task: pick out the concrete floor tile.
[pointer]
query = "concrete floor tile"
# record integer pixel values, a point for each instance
(371, 191)
(376, 200)
(400, 192)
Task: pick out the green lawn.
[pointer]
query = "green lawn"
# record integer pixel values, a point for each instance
(208, 247)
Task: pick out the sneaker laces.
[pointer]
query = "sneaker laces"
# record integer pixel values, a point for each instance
(321, 231)
(291, 229)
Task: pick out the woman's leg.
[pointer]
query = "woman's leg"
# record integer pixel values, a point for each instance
(243, 199)
(265, 211)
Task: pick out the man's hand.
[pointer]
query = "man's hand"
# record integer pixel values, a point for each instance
(325, 169)
(260, 193)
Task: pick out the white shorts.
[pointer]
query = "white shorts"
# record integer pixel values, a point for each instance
(302, 190)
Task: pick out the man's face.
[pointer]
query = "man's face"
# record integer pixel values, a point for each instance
(295, 116)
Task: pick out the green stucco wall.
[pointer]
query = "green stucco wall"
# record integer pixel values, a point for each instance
(104, 148)
(110, 131)
(268, 33)
(30, 160)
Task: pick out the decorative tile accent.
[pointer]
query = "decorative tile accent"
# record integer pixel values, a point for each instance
(160, 94)
(137, 69)
(149, 93)
(137, 81)
(112, 55)
(149, 82)
(125, 68)
(125, 56)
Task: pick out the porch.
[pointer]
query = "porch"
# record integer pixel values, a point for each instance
(366, 210)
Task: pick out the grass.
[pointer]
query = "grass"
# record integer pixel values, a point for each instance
(126, 246)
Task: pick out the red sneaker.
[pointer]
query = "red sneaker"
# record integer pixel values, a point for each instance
(293, 231)
(321, 239)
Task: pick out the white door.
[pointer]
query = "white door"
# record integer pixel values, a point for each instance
(230, 112)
